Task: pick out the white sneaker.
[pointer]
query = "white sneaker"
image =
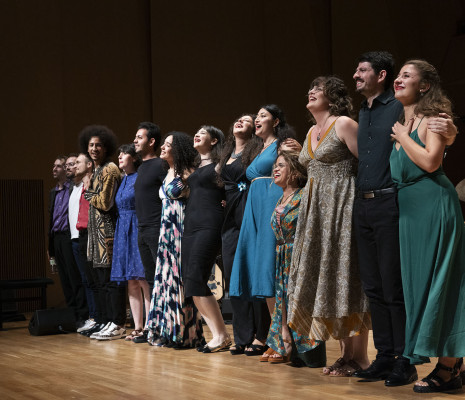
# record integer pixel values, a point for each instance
(112, 333)
(89, 324)
(95, 335)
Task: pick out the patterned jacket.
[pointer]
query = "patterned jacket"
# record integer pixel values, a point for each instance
(102, 214)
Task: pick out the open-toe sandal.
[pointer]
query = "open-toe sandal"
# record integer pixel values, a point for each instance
(268, 353)
(279, 359)
(437, 384)
(135, 333)
(257, 350)
(340, 362)
(237, 349)
(347, 370)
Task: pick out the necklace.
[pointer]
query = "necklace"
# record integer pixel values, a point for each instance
(269, 144)
(235, 155)
(318, 137)
(287, 198)
(202, 160)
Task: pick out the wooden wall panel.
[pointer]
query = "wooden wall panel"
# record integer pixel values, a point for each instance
(22, 243)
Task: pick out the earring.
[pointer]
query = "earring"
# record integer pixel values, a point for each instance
(422, 93)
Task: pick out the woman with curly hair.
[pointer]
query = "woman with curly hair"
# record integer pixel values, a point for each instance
(250, 318)
(100, 143)
(201, 242)
(173, 319)
(291, 177)
(326, 299)
(253, 272)
(431, 231)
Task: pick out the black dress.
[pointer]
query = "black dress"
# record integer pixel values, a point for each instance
(201, 241)
(251, 319)
(236, 186)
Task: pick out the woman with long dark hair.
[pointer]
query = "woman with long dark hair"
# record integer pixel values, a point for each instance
(173, 319)
(431, 231)
(250, 318)
(201, 241)
(253, 272)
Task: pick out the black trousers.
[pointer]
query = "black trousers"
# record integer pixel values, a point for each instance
(112, 297)
(147, 239)
(91, 277)
(251, 319)
(70, 276)
(376, 224)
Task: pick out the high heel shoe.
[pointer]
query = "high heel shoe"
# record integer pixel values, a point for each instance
(225, 345)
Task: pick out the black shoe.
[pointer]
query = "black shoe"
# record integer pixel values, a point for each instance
(142, 338)
(379, 369)
(403, 373)
(96, 328)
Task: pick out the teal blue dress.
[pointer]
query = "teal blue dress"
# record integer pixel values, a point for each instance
(253, 271)
(432, 254)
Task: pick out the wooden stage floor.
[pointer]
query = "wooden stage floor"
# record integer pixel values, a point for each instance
(74, 367)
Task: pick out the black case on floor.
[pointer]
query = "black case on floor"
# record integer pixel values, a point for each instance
(52, 321)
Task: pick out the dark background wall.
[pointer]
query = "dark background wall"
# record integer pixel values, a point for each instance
(66, 64)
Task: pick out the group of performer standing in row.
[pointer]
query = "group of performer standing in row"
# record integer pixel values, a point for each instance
(356, 229)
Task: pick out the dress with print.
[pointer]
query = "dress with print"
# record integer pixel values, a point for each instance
(284, 222)
(126, 263)
(326, 298)
(432, 255)
(172, 317)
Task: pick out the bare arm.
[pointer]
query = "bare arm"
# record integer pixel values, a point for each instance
(443, 125)
(428, 158)
(346, 130)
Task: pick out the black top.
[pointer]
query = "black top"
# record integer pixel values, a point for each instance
(150, 177)
(203, 208)
(236, 187)
(374, 141)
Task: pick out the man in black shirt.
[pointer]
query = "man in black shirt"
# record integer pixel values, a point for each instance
(376, 217)
(150, 176)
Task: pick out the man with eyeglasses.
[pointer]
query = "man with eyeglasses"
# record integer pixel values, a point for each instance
(70, 166)
(60, 249)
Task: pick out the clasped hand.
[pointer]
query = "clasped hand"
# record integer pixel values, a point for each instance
(401, 131)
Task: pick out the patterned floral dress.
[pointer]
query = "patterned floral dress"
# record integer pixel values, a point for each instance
(326, 299)
(284, 222)
(172, 317)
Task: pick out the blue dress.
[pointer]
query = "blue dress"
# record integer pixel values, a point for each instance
(253, 272)
(126, 264)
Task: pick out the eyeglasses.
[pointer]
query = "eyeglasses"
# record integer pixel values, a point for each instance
(69, 165)
(315, 90)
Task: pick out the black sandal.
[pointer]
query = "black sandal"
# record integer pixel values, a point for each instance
(257, 350)
(454, 383)
(238, 349)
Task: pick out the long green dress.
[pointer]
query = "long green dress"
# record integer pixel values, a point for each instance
(432, 253)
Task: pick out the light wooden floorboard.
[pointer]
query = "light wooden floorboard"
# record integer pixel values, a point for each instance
(74, 367)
